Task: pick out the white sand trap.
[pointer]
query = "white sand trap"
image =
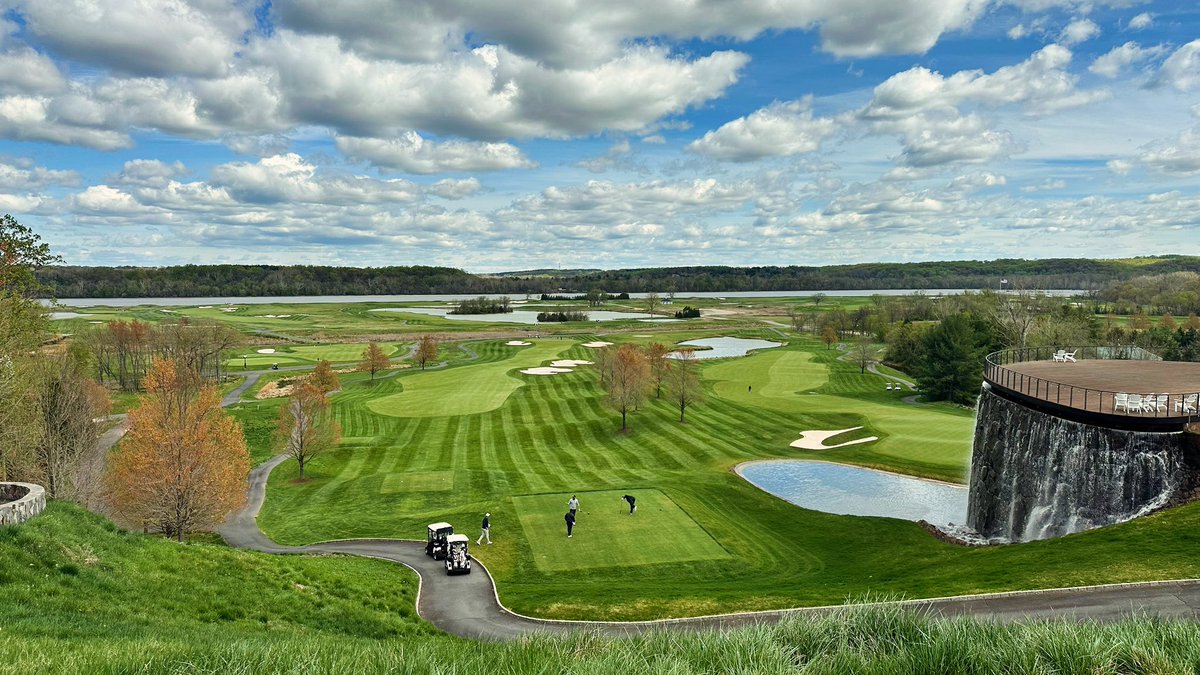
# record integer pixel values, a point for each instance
(815, 440)
(517, 343)
(569, 363)
(265, 351)
(546, 370)
(596, 345)
(204, 307)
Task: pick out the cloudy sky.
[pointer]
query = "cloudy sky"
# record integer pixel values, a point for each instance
(517, 134)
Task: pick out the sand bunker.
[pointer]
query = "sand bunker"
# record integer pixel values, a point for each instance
(517, 343)
(596, 345)
(546, 370)
(569, 363)
(815, 440)
(265, 351)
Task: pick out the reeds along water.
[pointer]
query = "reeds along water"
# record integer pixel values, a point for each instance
(1036, 476)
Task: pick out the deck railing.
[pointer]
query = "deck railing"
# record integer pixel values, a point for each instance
(1150, 404)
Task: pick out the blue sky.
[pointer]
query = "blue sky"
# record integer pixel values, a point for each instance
(557, 133)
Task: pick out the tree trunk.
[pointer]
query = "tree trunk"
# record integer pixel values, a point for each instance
(623, 427)
(301, 463)
(682, 405)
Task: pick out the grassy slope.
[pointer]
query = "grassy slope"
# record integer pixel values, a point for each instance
(69, 574)
(80, 597)
(555, 435)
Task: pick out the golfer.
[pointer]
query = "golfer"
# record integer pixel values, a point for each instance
(632, 503)
(573, 504)
(487, 529)
(570, 518)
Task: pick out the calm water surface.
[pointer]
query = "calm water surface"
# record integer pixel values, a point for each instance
(855, 491)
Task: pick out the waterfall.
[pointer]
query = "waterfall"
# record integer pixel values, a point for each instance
(1036, 476)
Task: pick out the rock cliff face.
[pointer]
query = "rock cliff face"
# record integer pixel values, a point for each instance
(1036, 476)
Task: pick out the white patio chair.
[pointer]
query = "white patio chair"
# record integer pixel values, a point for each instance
(1121, 402)
(1069, 356)
(1149, 403)
(1134, 404)
(1060, 355)
(1160, 402)
(1186, 404)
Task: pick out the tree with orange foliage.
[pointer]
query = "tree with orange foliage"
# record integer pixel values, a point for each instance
(373, 360)
(427, 350)
(628, 376)
(323, 377)
(183, 464)
(306, 427)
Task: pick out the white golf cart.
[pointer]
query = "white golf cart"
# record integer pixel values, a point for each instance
(458, 560)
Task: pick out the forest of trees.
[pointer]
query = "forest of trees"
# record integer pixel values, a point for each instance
(273, 280)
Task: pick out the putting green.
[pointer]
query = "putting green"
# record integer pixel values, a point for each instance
(607, 536)
(466, 390)
(936, 436)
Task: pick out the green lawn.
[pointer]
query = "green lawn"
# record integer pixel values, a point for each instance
(555, 435)
(82, 597)
(606, 535)
(466, 391)
(931, 440)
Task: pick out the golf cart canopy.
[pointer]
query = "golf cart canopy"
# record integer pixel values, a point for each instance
(457, 539)
(437, 527)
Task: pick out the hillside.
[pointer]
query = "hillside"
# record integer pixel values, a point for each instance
(276, 280)
(82, 597)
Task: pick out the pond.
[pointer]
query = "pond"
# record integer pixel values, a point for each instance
(855, 491)
(724, 347)
(516, 316)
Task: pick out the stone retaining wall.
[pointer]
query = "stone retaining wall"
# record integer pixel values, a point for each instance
(20, 501)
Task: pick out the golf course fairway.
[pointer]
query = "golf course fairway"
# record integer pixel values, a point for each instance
(465, 391)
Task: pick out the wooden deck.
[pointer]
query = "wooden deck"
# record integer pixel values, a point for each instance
(1091, 385)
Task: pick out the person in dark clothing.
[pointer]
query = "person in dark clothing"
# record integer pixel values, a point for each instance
(487, 530)
(570, 518)
(632, 503)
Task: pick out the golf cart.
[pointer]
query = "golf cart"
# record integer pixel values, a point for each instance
(458, 561)
(435, 539)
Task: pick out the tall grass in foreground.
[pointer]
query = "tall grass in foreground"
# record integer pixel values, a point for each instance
(872, 640)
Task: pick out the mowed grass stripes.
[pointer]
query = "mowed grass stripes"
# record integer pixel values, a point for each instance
(554, 435)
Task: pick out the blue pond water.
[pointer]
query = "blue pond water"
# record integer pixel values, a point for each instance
(854, 491)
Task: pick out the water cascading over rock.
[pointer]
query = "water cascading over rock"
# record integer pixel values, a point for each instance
(1037, 476)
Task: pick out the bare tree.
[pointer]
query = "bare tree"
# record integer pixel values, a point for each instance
(306, 428)
(660, 365)
(651, 301)
(818, 298)
(863, 353)
(68, 405)
(427, 350)
(1016, 316)
(684, 381)
(628, 379)
(373, 360)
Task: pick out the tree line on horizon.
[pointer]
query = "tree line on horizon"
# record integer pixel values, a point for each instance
(65, 281)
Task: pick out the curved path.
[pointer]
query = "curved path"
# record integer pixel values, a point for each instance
(468, 605)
